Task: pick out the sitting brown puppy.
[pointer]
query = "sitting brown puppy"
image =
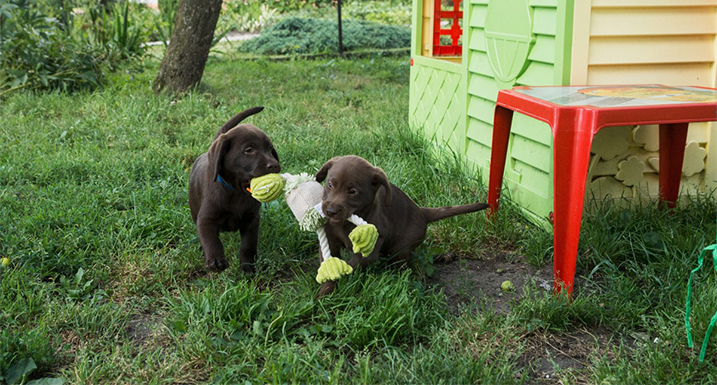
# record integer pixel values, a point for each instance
(218, 196)
(355, 186)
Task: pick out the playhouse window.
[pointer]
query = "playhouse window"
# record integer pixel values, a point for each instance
(447, 28)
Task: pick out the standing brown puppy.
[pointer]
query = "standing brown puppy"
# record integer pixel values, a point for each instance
(218, 198)
(355, 186)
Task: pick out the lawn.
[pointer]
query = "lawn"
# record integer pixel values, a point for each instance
(106, 284)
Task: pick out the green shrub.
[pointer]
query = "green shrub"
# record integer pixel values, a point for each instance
(168, 7)
(376, 11)
(246, 16)
(311, 36)
(48, 48)
(379, 12)
(165, 19)
(35, 53)
(115, 30)
(284, 6)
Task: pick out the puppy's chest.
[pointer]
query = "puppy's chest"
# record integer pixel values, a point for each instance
(341, 232)
(239, 211)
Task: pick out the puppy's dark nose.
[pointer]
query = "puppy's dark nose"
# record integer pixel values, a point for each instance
(330, 211)
(273, 167)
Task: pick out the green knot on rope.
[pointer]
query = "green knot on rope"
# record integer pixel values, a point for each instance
(364, 239)
(332, 269)
(267, 188)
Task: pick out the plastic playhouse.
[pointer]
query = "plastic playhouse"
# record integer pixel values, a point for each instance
(463, 53)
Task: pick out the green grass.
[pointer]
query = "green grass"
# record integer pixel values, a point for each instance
(106, 281)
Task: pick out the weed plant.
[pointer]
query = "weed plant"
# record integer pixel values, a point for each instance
(105, 281)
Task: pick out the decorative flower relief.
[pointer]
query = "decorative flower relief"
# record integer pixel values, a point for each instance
(647, 136)
(694, 159)
(611, 142)
(631, 171)
(608, 186)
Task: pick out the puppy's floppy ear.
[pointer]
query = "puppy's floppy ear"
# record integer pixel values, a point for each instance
(321, 174)
(216, 153)
(380, 179)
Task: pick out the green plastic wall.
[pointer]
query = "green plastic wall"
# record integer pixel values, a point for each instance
(528, 175)
(437, 102)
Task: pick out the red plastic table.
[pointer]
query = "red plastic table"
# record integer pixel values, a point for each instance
(575, 114)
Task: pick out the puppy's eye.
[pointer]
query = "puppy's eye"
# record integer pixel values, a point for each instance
(353, 191)
(249, 150)
(329, 185)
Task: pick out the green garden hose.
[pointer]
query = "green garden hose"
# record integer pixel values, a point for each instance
(700, 261)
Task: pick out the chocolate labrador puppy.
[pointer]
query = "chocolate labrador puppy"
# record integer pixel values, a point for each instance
(218, 197)
(355, 186)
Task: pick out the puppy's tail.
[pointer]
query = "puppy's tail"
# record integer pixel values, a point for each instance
(433, 214)
(238, 118)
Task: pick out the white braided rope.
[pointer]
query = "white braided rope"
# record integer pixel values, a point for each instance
(357, 220)
(324, 243)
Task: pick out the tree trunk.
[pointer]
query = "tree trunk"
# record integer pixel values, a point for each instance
(189, 45)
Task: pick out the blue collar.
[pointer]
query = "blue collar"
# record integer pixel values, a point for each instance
(225, 184)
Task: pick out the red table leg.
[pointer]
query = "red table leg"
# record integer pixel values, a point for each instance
(673, 138)
(573, 128)
(570, 168)
(498, 154)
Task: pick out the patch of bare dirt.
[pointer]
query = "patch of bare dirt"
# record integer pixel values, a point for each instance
(549, 357)
(568, 352)
(478, 282)
(141, 327)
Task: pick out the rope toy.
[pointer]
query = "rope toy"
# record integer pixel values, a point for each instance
(304, 195)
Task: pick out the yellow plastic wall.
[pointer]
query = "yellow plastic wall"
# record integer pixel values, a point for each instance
(671, 42)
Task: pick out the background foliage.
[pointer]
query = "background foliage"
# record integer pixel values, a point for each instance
(48, 47)
(71, 45)
(310, 36)
(37, 52)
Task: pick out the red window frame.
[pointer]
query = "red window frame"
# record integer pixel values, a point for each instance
(455, 31)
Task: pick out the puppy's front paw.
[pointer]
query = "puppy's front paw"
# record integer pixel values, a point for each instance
(216, 264)
(248, 268)
(326, 288)
(246, 263)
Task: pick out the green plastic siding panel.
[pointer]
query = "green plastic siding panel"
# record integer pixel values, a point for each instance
(416, 26)
(509, 37)
(437, 102)
(528, 174)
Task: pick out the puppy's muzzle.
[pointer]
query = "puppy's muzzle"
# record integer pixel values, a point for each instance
(273, 166)
(335, 213)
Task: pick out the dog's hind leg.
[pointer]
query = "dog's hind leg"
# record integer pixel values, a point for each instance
(401, 259)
